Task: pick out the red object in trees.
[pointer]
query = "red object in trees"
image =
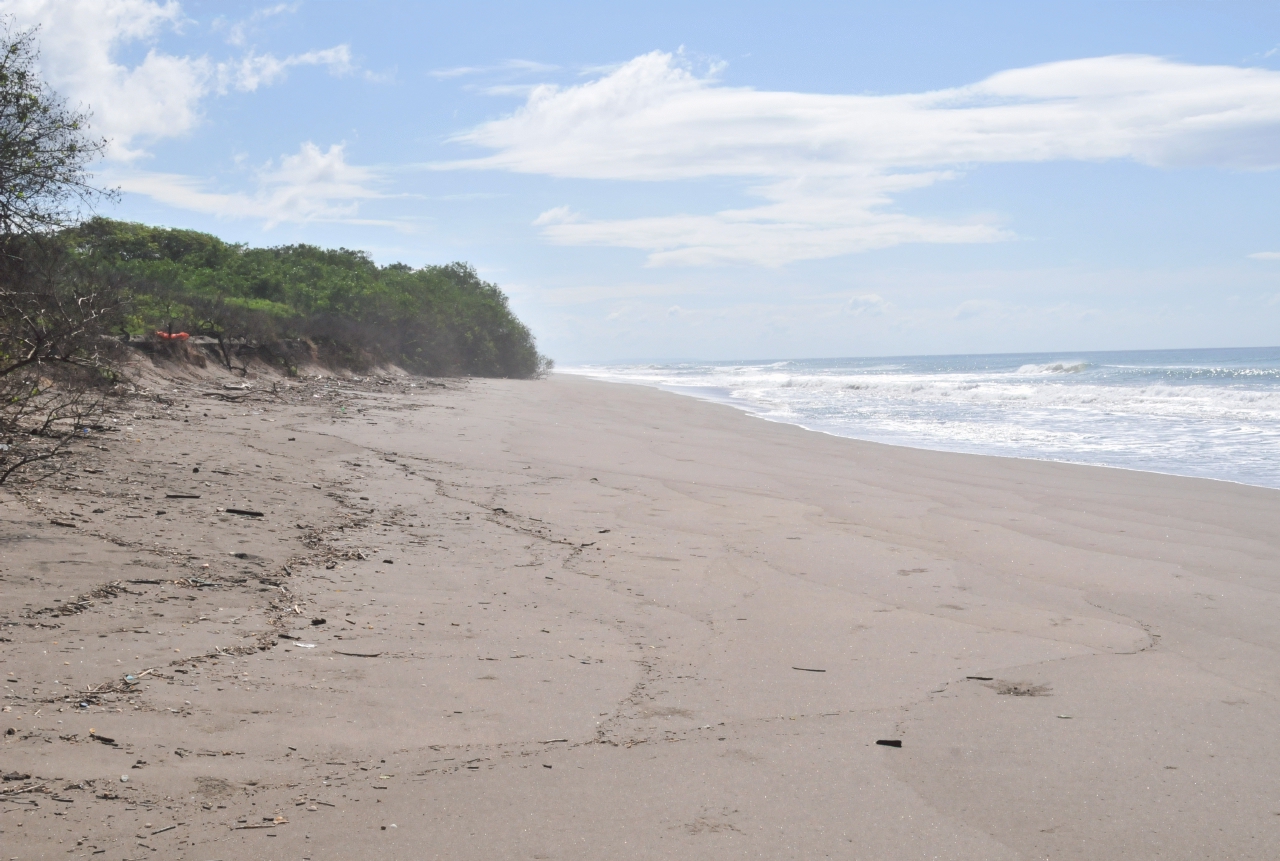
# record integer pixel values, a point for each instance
(176, 336)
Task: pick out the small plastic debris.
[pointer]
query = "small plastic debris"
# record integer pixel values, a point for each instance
(889, 742)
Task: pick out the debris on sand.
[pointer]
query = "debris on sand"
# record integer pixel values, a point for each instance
(1021, 689)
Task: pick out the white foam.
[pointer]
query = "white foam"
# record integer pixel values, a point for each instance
(1198, 418)
(1054, 368)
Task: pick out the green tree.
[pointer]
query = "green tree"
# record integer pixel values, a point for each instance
(442, 320)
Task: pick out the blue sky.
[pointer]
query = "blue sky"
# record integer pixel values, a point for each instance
(726, 180)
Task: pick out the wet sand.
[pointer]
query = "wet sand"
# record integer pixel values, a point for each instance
(568, 619)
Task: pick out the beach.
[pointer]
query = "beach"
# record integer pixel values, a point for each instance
(572, 619)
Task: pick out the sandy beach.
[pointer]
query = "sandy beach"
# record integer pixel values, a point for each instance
(566, 619)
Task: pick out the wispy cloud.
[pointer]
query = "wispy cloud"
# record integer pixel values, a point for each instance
(519, 66)
(258, 70)
(1265, 255)
(828, 167)
(868, 304)
(310, 185)
(796, 225)
(238, 31)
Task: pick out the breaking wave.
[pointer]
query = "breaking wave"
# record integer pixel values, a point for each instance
(1213, 413)
(1055, 368)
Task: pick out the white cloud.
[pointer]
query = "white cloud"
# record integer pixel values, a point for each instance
(828, 166)
(157, 98)
(870, 304)
(559, 215)
(1266, 255)
(310, 185)
(237, 33)
(805, 219)
(504, 66)
(257, 70)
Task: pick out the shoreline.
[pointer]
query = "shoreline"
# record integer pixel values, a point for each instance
(586, 640)
(712, 395)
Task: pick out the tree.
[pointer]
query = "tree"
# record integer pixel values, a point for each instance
(54, 309)
(57, 362)
(45, 150)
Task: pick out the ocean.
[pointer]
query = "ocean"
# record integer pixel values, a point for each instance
(1206, 413)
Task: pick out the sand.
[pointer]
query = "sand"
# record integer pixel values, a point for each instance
(567, 619)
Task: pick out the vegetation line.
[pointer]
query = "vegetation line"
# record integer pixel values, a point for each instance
(437, 320)
(73, 292)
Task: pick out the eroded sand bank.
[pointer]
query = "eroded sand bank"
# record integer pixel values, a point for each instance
(576, 629)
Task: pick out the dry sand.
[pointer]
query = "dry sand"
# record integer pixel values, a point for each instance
(574, 620)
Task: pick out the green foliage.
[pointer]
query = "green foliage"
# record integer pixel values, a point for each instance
(433, 320)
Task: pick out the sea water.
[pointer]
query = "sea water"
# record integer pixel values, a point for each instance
(1207, 413)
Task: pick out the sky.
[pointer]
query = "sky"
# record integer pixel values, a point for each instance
(668, 181)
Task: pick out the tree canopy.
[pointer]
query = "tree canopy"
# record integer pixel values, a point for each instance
(430, 320)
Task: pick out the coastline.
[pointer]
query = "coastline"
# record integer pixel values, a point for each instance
(749, 409)
(640, 574)
(1207, 413)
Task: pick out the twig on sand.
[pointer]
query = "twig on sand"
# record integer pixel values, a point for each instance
(9, 792)
(279, 820)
